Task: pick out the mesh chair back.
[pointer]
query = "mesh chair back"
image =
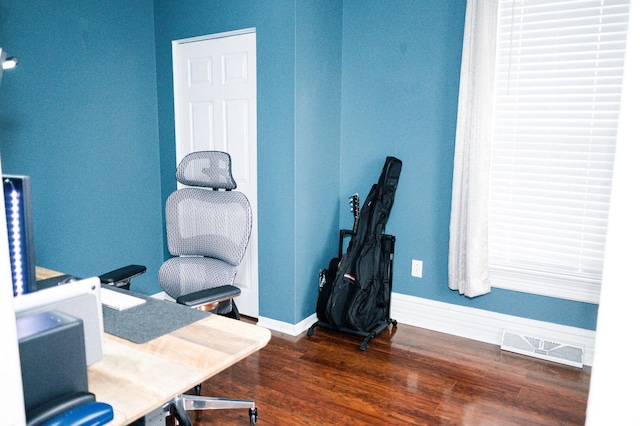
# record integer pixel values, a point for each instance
(208, 223)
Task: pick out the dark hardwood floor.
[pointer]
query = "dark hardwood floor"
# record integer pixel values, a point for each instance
(407, 376)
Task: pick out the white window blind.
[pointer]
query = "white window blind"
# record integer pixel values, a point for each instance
(559, 70)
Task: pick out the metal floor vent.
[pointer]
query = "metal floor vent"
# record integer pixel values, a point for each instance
(563, 353)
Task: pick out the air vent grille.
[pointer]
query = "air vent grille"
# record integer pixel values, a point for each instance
(550, 350)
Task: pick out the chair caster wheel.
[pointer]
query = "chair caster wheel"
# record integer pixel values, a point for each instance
(253, 416)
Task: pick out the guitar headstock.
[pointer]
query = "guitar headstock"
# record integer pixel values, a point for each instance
(354, 201)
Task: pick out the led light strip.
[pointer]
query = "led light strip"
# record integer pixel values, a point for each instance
(15, 243)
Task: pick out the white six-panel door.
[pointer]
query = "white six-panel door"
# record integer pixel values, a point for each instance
(215, 109)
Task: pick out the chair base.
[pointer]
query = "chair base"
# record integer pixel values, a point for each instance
(182, 404)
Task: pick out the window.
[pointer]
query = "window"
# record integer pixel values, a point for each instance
(558, 80)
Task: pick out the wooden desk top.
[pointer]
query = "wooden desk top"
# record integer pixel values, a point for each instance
(135, 379)
(44, 273)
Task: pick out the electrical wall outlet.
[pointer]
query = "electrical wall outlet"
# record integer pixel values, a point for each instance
(416, 268)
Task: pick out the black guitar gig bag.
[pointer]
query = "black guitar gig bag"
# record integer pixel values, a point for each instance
(359, 297)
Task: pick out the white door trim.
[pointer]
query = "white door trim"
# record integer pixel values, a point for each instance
(214, 36)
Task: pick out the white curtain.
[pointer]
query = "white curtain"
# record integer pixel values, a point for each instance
(468, 245)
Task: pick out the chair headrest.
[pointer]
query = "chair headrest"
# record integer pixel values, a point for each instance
(210, 169)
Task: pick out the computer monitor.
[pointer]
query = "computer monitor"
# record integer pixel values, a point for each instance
(79, 299)
(17, 202)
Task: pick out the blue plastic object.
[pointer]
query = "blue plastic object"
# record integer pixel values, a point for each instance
(90, 414)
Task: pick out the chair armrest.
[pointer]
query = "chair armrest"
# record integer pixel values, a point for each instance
(208, 296)
(89, 414)
(122, 277)
(57, 406)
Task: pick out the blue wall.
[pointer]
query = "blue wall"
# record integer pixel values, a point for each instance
(341, 85)
(298, 64)
(317, 145)
(400, 77)
(79, 115)
(274, 22)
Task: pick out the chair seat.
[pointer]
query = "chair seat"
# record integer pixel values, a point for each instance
(180, 276)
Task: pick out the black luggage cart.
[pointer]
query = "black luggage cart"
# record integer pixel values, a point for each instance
(388, 247)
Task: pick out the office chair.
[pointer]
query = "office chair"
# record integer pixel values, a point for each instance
(208, 229)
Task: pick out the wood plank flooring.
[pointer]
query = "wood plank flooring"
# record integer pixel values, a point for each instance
(407, 376)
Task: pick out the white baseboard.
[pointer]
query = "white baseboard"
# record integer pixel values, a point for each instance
(287, 328)
(481, 325)
(462, 321)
